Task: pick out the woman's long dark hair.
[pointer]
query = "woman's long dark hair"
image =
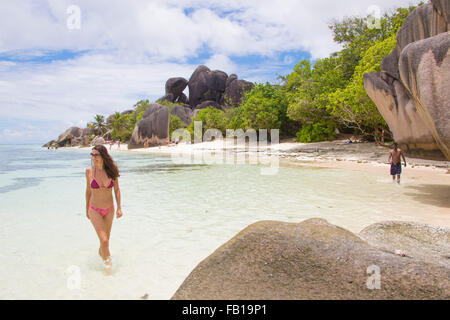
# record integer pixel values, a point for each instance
(110, 166)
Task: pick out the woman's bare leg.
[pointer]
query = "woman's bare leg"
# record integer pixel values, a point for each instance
(100, 228)
(108, 220)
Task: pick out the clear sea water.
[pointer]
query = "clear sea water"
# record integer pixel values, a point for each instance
(174, 217)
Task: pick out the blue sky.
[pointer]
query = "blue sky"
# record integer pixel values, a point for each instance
(69, 60)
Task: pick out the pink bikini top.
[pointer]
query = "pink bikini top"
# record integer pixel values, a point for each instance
(95, 185)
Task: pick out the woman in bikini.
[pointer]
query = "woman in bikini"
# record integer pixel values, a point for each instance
(101, 178)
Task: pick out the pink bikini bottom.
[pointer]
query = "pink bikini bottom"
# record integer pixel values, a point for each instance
(103, 212)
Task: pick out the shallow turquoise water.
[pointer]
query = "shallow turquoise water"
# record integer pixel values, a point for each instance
(175, 215)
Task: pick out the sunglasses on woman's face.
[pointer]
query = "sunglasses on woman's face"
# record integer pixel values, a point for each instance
(95, 154)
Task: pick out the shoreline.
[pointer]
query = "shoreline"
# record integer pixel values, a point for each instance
(333, 155)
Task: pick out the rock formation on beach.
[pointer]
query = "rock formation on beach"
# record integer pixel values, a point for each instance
(235, 90)
(176, 86)
(73, 136)
(416, 240)
(182, 112)
(412, 92)
(154, 126)
(206, 88)
(316, 260)
(206, 85)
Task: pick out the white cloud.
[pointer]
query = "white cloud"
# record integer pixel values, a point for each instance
(222, 63)
(161, 28)
(78, 89)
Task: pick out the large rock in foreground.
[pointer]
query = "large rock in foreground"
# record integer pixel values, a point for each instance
(310, 260)
(416, 240)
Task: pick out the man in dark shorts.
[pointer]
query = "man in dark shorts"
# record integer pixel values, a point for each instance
(396, 162)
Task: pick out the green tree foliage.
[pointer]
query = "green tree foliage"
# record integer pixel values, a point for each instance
(358, 34)
(331, 92)
(122, 126)
(308, 89)
(352, 106)
(264, 107)
(316, 132)
(139, 109)
(211, 118)
(98, 124)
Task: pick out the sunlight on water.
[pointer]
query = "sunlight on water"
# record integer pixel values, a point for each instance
(175, 216)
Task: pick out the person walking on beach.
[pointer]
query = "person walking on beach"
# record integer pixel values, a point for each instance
(396, 162)
(101, 178)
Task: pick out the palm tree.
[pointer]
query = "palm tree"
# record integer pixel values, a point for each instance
(99, 124)
(116, 122)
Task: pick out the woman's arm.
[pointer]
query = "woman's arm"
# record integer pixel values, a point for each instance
(88, 192)
(118, 200)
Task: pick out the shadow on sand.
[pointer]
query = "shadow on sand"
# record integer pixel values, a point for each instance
(433, 194)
